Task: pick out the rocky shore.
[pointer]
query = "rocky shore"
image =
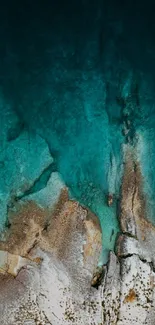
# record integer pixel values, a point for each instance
(49, 258)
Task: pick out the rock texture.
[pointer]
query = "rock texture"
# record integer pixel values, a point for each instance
(130, 280)
(48, 269)
(51, 264)
(128, 295)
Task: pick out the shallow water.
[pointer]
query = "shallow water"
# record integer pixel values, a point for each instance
(74, 75)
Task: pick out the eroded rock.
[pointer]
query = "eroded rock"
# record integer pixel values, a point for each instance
(60, 248)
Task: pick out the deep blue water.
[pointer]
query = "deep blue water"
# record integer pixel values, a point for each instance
(75, 74)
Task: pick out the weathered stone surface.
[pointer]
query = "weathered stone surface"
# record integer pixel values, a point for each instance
(11, 264)
(133, 217)
(135, 248)
(137, 290)
(32, 220)
(63, 248)
(127, 245)
(128, 294)
(111, 292)
(53, 261)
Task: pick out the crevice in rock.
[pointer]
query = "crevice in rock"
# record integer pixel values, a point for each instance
(126, 256)
(128, 234)
(41, 294)
(134, 185)
(40, 183)
(141, 259)
(32, 247)
(152, 266)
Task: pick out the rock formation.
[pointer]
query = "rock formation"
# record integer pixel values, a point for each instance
(49, 257)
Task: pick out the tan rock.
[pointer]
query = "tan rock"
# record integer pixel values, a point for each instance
(69, 231)
(11, 264)
(62, 248)
(93, 245)
(133, 216)
(27, 225)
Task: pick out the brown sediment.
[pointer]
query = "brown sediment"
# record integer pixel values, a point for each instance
(110, 199)
(133, 200)
(71, 220)
(133, 212)
(91, 216)
(62, 225)
(93, 236)
(62, 199)
(131, 297)
(37, 260)
(98, 277)
(28, 222)
(52, 231)
(27, 225)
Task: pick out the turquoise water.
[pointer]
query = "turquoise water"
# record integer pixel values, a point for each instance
(76, 75)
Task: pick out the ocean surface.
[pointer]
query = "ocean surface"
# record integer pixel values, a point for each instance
(73, 77)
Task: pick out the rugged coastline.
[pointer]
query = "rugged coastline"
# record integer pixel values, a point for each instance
(49, 259)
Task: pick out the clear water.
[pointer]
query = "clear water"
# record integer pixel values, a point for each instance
(74, 74)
